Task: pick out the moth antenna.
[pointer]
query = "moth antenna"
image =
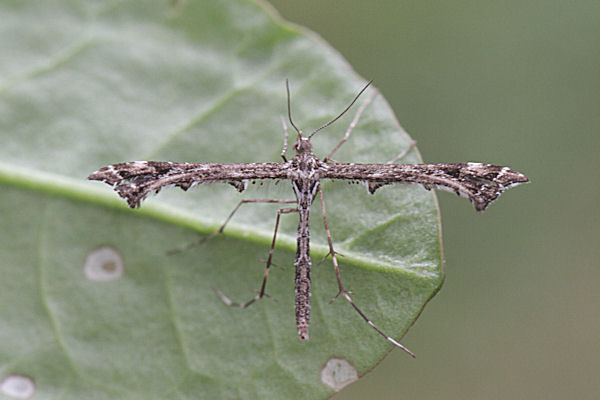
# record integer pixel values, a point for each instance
(287, 88)
(343, 112)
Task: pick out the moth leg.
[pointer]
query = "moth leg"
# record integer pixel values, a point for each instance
(352, 126)
(261, 293)
(404, 152)
(285, 138)
(322, 260)
(222, 228)
(346, 294)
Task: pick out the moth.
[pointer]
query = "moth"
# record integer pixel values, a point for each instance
(480, 183)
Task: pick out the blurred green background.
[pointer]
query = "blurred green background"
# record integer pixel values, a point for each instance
(514, 83)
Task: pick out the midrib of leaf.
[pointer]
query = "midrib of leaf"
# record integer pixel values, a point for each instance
(82, 191)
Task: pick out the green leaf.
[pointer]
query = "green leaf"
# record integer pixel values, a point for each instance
(86, 84)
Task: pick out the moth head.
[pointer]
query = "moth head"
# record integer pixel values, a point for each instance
(303, 144)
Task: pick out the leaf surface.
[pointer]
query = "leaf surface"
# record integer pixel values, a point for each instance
(111, 81)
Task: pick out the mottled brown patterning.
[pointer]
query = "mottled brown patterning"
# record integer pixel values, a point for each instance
(480, 183)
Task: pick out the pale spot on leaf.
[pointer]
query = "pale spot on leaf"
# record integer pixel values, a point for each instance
(103, 264)
(17, 386)
(338, 373)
